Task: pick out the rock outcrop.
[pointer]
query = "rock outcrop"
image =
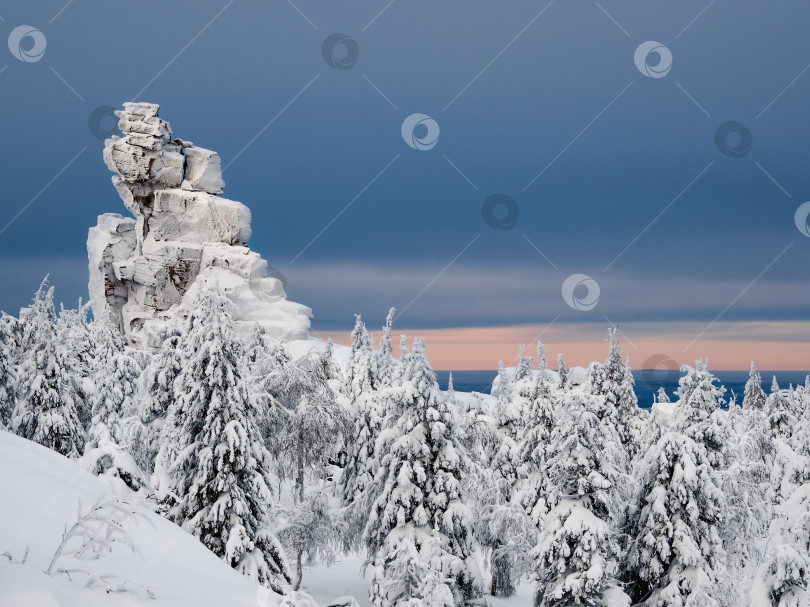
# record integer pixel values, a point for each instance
(146, 268)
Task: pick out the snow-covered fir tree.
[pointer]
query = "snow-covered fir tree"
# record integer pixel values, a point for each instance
(45, 411)
(662, 396)
(698, 413)
(577, 551)
(782, 416)
(675, 547)
(268, 360)
(541, 417)
(357, 487)
(361, 373)
(8, 367)
(421, 501)
(562, 372)
(783, 578)
(155, 397)
(754, 396)
(408, 572)
(77, 350)
(501, 386)
(386, 363)
(220, 477)
(115, 375)
(368, 409)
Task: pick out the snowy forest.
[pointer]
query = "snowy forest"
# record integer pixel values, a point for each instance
(556, 479)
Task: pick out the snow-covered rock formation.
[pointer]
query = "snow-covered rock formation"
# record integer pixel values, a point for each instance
(146, 269)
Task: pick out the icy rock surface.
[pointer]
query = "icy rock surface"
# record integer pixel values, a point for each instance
(183, 233)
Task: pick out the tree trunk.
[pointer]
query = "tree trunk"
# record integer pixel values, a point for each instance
(493, 588)
(299, 572)
(299, 481)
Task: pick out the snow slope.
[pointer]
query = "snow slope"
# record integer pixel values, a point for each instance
(41, 494)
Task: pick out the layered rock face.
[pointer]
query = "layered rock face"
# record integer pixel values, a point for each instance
(145, 269)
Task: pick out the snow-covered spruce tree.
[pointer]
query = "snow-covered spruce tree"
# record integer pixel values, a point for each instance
(361, 374)
(169, 439)
(407, 574)
(8, 368)
(675, 545)
(605, 380)
(500, 515)
(368, 412)
(576, 553)
(220, 477)
(754, 396)
(698, 414)
(386, 363)
(784, 576)
(513, 399)
(357, 488)
(267, 360)
(77, 348)
(541, 356)
(614, 380)
(421, 499)
(45, 411)
(632, 420)
(782, 417)
(501, 386)
(533, 450)
(662, 395)
(314, 428)
(115, 375)
(747, 510)
(562, 373)
(524, 368)
(155, 397)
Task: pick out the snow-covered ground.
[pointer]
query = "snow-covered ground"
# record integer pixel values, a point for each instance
(43, 492)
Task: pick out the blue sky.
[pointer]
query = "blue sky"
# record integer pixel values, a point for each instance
(518, 89)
